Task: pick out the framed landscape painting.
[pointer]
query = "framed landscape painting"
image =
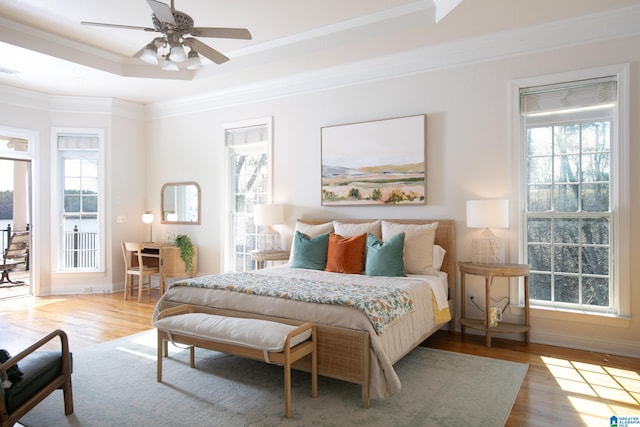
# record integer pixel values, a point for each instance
(380, 162)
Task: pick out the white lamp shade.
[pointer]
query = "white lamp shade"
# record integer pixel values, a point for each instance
(169, 65)
(149, 55)
(177, 53)
(488, 213)
(147, 217)
(193, 61)
(268, 214)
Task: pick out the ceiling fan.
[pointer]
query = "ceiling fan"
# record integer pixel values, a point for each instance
(175, 26)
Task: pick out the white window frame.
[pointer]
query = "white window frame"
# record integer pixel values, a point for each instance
(620, 237)
(228, 259)
(57, 187)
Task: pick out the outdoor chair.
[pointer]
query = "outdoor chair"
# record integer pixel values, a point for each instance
(38, 374)
(17, 253)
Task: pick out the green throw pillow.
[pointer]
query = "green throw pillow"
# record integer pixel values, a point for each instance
(309, 252)
(385, 258)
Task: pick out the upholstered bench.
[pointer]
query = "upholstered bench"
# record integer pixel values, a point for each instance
(257, 339)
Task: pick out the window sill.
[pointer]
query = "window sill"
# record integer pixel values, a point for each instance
(72, 274)
(580, 316)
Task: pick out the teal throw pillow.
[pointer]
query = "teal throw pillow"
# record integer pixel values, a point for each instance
(385, 258)
(310, 252)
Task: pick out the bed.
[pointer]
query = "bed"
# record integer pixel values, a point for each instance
(353, 345)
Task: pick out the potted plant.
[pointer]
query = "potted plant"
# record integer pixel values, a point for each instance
(183, 242)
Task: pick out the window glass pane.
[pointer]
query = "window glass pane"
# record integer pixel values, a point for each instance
(72, 183)
(566, 259)
(539, 257)
(566, 197)
(540, 170)
(595, 197)
(566, 139)
(595, 260)
(90, 203)
(595, 167)
(540, 141)
(539, 230)
(595, 231)
(595, 137)
(596, 291)
(540, 286)
(71, 201)
(566, 289)
(539, 198)
(566, 231)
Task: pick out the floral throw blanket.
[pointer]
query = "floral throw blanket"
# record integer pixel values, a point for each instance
(381, 304)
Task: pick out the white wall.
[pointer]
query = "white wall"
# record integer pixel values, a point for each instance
(469, 155)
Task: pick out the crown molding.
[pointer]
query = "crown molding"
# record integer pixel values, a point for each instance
(18, 97)
(610, 25)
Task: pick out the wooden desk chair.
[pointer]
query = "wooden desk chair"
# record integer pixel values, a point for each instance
(135, 266)
(17, 253)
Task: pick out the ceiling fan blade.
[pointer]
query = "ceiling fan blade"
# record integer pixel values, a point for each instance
(223, 33)
(207, 51)
(162, 12)
(127, 27)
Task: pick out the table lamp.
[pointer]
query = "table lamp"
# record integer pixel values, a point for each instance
(268, 215)
(147, 218)
(488, 248)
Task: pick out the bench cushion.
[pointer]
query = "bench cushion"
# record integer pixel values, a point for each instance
(258, 334)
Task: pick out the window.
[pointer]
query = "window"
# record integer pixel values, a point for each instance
(572, 193)
(248, 156)
(79, 200)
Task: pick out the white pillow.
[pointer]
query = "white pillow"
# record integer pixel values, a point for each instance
(418, 244)
(311, 230)
(438, 257)
(352, 229)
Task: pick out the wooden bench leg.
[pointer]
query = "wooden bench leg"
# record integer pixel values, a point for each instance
(287, 390)
(161, 348)
(314, 369)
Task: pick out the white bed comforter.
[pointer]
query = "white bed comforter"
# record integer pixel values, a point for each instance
(387, 348)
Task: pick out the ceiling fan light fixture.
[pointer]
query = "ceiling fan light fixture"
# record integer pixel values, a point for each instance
(177, 53)
(150, 54)
(193, 60)
(169, 65)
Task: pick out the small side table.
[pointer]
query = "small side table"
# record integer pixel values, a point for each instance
(262, 256)
(489, 271)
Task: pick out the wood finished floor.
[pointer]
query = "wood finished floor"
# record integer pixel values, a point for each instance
(563, 387)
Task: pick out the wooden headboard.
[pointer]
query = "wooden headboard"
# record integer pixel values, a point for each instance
(444, 237)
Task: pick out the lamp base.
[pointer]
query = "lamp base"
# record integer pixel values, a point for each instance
(487, 249)
(268, 240)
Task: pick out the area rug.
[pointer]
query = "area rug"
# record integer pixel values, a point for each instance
(114, 384)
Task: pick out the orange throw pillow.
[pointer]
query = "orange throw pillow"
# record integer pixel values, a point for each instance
(346, 255)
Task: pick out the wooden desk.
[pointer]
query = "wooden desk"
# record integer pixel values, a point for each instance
(167, 257)
(489, 271)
